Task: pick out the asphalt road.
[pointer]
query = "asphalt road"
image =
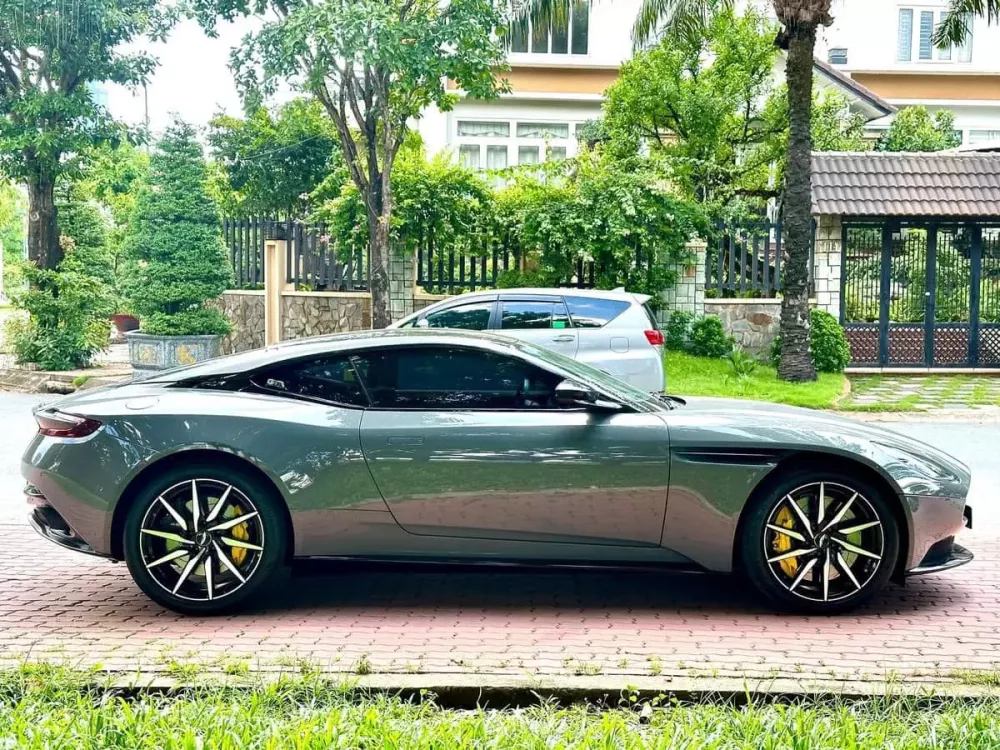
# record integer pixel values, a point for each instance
(975, 444)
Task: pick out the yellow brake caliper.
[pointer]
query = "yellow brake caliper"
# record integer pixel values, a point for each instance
(242, 533)
(783, 542)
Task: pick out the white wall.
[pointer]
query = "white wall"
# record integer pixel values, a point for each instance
(610, 42)
(868, 29)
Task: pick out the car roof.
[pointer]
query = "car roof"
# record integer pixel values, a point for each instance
(552, 292)
(331, 344)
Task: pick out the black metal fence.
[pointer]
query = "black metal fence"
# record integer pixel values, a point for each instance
(744, 260)
(312, 260)
(447, 271)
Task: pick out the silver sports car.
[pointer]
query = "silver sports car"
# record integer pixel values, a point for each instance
(450, 446)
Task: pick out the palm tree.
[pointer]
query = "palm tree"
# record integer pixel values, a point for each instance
(955, 27)
(800, 19)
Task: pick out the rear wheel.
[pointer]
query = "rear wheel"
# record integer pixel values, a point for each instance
(820, 542)
(201, 539)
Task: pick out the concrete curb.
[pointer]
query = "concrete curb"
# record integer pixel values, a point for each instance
(461, 690)
(41, 381)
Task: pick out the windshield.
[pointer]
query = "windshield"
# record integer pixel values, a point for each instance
(592, 376)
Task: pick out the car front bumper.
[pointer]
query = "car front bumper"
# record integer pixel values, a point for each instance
(945, 554)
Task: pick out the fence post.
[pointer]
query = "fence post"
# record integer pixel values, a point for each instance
(275, 282)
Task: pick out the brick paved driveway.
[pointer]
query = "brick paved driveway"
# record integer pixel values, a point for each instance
(68, 608)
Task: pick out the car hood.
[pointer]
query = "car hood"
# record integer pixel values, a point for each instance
(915, 467)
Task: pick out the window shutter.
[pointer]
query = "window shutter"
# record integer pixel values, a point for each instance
(904, 37)
(926, 32)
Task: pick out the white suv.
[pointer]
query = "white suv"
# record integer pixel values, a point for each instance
(614, 331)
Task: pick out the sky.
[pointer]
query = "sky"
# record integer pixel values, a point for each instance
(193, 79)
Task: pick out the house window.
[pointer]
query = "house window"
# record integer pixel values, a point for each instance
(543, 130)
(569, 35)
(837, 56)
(468, 156)
(981, 136)
(496, 157)
(914, 37)
(527, 154)
(483, 129)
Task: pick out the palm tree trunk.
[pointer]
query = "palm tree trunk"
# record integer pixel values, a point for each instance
(796, 362)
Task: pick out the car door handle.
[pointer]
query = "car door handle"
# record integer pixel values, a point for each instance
(405, 440)
(563, 338)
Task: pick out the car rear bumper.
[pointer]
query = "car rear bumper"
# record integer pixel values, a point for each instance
(49, 524)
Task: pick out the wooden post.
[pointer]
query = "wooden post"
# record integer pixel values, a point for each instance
(275, 282)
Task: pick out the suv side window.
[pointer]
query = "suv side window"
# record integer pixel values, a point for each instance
(472, 317)
(330, 379)
(535, 314)
(442, 378)
(593, 312)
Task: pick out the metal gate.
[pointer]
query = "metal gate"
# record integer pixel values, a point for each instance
(921, 293)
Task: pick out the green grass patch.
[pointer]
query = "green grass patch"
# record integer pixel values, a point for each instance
(52, 708)
(688, 375)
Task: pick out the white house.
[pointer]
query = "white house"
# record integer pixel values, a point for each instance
(885, 45)
(558, 79)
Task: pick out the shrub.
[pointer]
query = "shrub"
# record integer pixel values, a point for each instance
(67, 319)
(830, 350)
(709, 339)
(177, 260)
(678, 330)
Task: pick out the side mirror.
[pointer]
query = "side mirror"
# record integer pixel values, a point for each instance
(569, 393)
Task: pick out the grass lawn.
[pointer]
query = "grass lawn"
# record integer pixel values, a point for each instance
(688, 375)
(42, 708)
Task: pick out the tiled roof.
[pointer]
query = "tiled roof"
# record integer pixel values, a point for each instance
(873, 183)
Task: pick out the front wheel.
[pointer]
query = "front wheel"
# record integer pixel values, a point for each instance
(820, 542)
(203, 540)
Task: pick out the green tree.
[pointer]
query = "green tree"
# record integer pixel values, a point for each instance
(834, 126)
(914, 129)
(12, 214)
(51, 52)
(799, 20)
(701, 101)
(177, 257)
(273, 162)
(374, 65)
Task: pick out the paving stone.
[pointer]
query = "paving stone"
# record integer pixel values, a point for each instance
(58, 605)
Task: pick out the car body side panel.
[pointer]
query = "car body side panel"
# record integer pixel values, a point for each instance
(710, 482)
(560, 476)
(311, 452)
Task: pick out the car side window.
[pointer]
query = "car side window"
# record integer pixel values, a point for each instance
(472, 317)
(593, 312)
(443, 378)
(535, 314)
(330, 379)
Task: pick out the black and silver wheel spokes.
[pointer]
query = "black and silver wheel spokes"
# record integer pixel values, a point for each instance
(201, 539)
(823, 541)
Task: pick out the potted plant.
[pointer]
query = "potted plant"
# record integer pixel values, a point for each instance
(176, 260)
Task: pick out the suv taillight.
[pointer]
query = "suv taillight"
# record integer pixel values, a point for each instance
(654, 337)
(59, 425)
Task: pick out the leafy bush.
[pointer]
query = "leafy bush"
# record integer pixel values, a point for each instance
(830, 350)
(67, 320)
(742, 362)
(678, 330)
(177, 260)
(709, 338)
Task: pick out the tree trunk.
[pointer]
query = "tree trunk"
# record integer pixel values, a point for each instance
(796, 360)
(378, 273)
(43, 226)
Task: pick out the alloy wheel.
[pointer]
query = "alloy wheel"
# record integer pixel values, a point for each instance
(201, 539)
(823, 541)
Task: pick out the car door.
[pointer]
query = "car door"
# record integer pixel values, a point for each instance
(468, 442)
(540, 320)
(474, 315)
(608, 349)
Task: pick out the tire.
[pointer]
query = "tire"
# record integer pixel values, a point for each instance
(821, 566)
(215, 562)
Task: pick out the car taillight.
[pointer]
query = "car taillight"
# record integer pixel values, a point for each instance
(59, 425)
(654, 337)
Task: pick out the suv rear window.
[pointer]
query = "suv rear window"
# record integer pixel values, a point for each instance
(594, 312)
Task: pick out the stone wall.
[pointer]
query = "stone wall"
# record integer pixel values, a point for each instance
(245, 309)
(752, 322)
(317, 313)
(422, 300)
(689, 294)
(302, 313)
(827, 264)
